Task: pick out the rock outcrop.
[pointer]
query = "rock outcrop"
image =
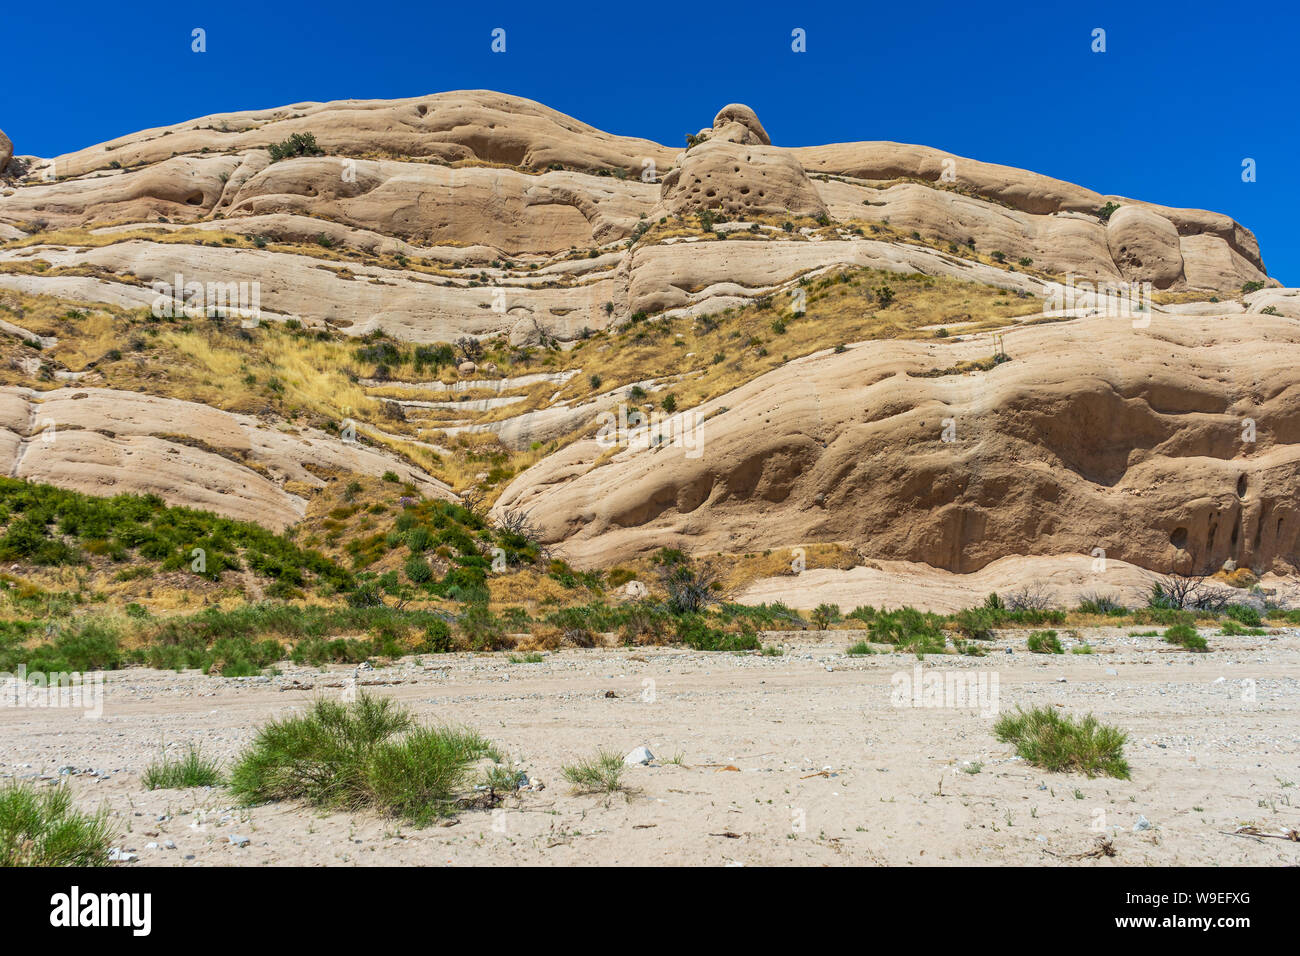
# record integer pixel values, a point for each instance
(476, 214)
(1144, 443)
(107, 442)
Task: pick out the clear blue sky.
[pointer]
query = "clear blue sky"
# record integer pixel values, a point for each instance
(1183, 94)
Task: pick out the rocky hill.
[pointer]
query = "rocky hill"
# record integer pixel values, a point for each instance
(731, 347)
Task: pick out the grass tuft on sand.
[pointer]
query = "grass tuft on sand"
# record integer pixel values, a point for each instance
(41, 828)
(1059, 743)
(191, 770)
(367, 753)
(602, 773)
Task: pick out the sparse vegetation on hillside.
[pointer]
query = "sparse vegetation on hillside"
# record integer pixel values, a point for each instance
(44, 525)
(298, 144)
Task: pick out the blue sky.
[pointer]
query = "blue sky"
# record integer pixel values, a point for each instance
(1184, 92)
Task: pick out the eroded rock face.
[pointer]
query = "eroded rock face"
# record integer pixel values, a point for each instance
(517, 221)
(738, 173)
(106, 442)
(6, 150)
(571, 186)
(1063, 449)
(1145, 246)
(737, 123)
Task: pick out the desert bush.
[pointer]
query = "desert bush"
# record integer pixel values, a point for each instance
(1058, 743)
(908, 629)
(1186, 636)
(1186, 592)
(1044, 642)
(418, 570)
(860, 649)
(689, 590)
(1232, 629)
(191, 770)
(824, 615)
(368, 753)
(1162, 616)
(298, 144)
(481, 629)
(1243, 614)
(1094, 602)
(79, 645)
(41, 828)
(1033, 597)
(774, 616)
(694, 631)
(1033, 617)
(418, 776)
(975, 623)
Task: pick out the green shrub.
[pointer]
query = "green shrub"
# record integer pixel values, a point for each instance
(1162, 616)
(481, 629)
(1243, 614)
(298, 144)
(417, 570)
(908, 629)
(860, 649)
(824, 615)
(367, 753)
(88, 645)
(1185, 635)
(1095, 603)
(1058, 743)
(1044, 642)
(418, 776)
(975, 623)
(41, 828)
(694, 631)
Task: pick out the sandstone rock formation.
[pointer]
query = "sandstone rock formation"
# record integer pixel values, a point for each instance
(476, 214)
(6, 150)
(473, 178)
(1094, 435)
(105, 442)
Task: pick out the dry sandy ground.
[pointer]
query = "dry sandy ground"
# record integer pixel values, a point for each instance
(896, 787)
